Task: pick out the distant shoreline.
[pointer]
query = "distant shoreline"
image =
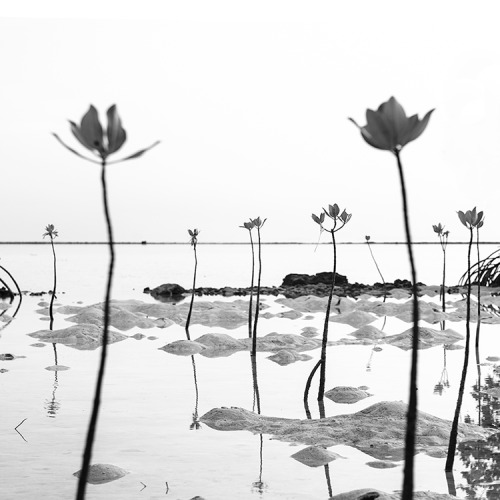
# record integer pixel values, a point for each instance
(145, 243)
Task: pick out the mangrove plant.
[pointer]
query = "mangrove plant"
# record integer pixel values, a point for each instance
(258, 223)
(443, 241)
(337, 221)
(194, 241)
(101, 143)
(471, 220)
(389, 129)
(249, 226)
(52, 233)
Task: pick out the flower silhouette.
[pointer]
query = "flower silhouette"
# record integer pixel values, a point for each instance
(389, 128)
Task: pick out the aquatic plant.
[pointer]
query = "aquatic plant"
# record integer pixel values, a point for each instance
(443, 240)
(471, 220)
(338, 221)
(194, 241)
(52, 233)
(367, 238)
(258, 223)
(250, 225)
(389, 129)
(486, 272)
(100, 143)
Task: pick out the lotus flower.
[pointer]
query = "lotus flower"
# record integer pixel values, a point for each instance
(471, 218)
(101, 143)
(248, 225)
(389, 128)
(258, 223)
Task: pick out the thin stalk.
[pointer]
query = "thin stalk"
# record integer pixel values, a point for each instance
(188, 320)
(454, 427)
(51, 312)
(250, 307)
(443, 292)
(87, 455)
(254, 337)
(322, 373)
(375, 262)
(411, 416)
(478, 327)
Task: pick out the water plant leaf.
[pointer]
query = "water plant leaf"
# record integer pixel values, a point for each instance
(73, 150)
(137, 154)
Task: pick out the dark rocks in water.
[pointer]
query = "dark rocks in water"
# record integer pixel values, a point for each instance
(372, 494)
(346, 395)
(103, 473)
(315, 456)
(306, 279)
(166, 290)
(7, 357)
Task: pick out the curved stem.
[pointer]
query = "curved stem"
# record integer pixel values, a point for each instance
(87, 455)
(478, 328)
(18, 291)
(411, 416)
(454, 426)
(443, 291)
(254, 339)
(188, 320)
(322, 373)
(308, 386)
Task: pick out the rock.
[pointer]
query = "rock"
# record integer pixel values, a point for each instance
(315, 456)
(57, 368)
(7, 357)
(372, 494)
(103, 473)
(278, 341)
(167, 289)
(183, 347)
(306, 279)
(220, 345)
(285, 357)
(378, 430)
(368, 332)
(427, 338)
(493, 358)
(346, 395)
(355, 319)
(3, 370)
(381, 464)
(310, 331)
(137, 336)
(82, 337)
(38, 344)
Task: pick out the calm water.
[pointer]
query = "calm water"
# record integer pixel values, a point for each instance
(150, 396)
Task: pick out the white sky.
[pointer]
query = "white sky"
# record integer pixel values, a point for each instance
(250, 100)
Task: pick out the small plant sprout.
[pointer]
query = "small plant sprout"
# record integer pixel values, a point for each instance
(443, 240)
(367, 239)
(101, 143)
(258, 223)
(389, 129)
(471, 220)
(337, 221)
(194, 241)
(52, 233)
(249, 226)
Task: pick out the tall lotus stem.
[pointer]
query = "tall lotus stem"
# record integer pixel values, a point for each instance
(478, 327)
(411, 417)
(101, 144)
(194, 234)
(389, 129)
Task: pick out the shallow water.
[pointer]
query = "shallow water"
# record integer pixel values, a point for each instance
(150, 396)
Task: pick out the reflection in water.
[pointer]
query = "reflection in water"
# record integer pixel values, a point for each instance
(482, 460)
(52, 405)
(258, 486)
(195, 424)
(443, 383)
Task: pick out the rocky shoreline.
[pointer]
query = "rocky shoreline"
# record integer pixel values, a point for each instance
(299, 285)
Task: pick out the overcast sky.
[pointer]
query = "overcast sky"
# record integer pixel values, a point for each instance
(250, 101)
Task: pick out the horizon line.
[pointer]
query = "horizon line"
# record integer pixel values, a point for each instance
(145, 243)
